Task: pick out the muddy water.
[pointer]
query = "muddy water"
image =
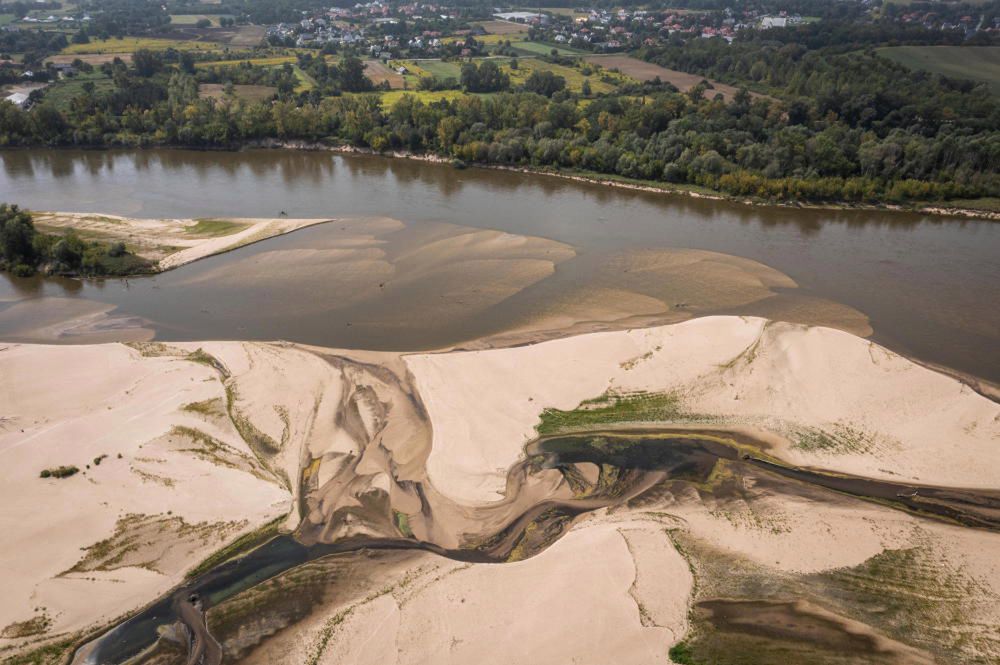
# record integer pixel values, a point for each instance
(930, 286)
(627, 461)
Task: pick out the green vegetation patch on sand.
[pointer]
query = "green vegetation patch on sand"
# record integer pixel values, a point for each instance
(241, 545)
(975, 63)
(59, 472)
(611, 408)
(989, 204)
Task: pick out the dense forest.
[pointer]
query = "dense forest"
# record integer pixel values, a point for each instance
(820, 116)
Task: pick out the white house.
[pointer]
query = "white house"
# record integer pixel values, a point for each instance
(18, 99)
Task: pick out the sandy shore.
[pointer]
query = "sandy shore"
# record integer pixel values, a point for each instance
(216, 439)
(824, 398)
(422, 285)
(175, 480)
(170, 243)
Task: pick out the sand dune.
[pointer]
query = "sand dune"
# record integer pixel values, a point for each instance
(823, 397)
(218, 438)
(71, 405)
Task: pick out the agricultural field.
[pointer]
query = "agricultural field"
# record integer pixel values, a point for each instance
(378, 72)
(647, 71)
(250, 93)
(95, 59)
(976, 63)
(503, 27)
(131, 44)
(243, 35)
(59, 94)
(305, 81)
(439, 68)
(489, 40)
(192, 19)
(269, 61)
(6, 19)
(574, 77)
(392, 96)
(543, 48)
(238, 36)
(560, 11)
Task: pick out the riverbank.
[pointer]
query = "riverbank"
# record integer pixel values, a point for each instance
(171, 243)
(430, 447)
(693, 191)
(990, 211)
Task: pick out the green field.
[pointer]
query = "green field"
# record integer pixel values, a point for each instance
(192, 19)
(440, 69)
(62, 92)
(542, 48)
(306, 82)
(5, 19)
(131, 44)
(426, 96)
(269, 61)
(977, 63)
(574, 77)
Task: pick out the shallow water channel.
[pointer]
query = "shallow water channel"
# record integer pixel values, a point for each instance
(929, 285)
(624, 458)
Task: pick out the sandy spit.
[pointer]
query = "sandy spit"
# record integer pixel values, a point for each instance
(173, 242)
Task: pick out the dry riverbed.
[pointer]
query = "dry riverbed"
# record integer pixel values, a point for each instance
(604, 562)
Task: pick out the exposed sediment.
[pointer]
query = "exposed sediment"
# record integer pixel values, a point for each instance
(416, 466)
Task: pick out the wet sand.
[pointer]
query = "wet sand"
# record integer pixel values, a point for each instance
(936, 278)
(380, 284)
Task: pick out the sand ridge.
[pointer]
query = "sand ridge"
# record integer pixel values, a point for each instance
(173, 242)
(826, 398)
(218, 438)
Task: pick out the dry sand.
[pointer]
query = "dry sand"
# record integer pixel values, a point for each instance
(67, 405)
(362, 430)
(574, 603)
(172, 242)
(823, 397)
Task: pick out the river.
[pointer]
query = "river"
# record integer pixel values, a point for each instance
(929, 285)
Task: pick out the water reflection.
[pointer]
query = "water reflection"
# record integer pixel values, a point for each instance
(930, 285)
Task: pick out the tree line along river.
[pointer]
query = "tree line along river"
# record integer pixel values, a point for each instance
(930, 286)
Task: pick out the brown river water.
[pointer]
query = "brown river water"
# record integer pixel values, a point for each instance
(930, 286)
